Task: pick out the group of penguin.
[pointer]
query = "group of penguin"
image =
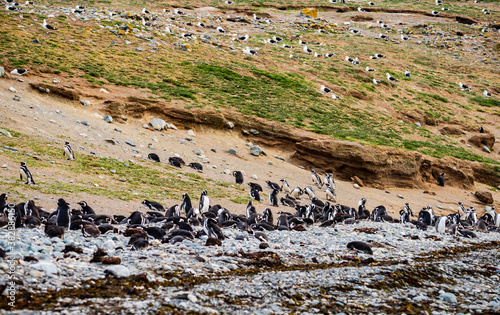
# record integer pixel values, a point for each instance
(178, 223)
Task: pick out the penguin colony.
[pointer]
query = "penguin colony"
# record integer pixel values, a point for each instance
(153, 19)
(300, 208)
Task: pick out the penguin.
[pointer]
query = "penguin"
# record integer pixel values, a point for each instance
(441, 179)
(204, 202)
(212, 229)
(54, 231)
(256, 186)
(481, 130)
(407, 73)
(196, 166)
(63, 217)
(86, 209)
(254, 193)
(285, 187)
(136, 218)
(174, 212)
(273, 198)
(267, 215)
(68, 151)
(153, 205)
(154, 157)
(186, 203)
(297, 192)
(258, 235)
(316, 179)
(19, 71)
(26, 174)
(441, 224)
(90, 230)
(310, 192)
(238, 176)
(330, 193)
(360, 247)
(272, 185)
(176, 161)
(250, 210)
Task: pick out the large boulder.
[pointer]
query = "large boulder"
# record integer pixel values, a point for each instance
(484, 196)
(157, 123)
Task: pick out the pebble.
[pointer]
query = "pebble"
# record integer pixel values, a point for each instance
(85, 103)
(117, 129)
(230, 125)
(253, 131)
(47, 267)
(448, 297)
(197, 152)
(182, 141)
(108, 119)
(190, 133)
(400, 196)
(356, 186)
(16, 98)
(13, 90)
(118, 270)
(5, 133)
(130, 143)
(231, 151)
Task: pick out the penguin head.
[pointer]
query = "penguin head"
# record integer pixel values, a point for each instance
(23, 163)
(84, 204)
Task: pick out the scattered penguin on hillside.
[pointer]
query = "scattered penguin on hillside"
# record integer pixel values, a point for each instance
(25, 174)
(68, 151)
(441, 179)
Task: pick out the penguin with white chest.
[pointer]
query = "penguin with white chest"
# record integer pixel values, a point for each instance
(68, 151)
(316, 178)
(204, 202)
(273, 198)
(25, 174)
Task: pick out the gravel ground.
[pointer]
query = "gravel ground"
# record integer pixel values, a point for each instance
(312, 271)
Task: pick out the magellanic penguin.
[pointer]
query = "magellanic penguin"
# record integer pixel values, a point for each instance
(330, 193)
(63, 217)
(153, 205)
(441, 224)
(212, 229)
(441, 179)
(238, 176)
(186, 203)
(204, 202)
(250, 209)
(273, 198)
(310, 192)
(254, 193)
(316, 179)
(68, 151)
(25, 174)
(285, 187)
(297, 192)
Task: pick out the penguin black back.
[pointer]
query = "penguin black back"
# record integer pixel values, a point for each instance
(238, 176)
(441, 179)
(63, 218)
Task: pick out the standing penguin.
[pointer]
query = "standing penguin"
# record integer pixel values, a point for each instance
(273, 198)
(26, 174)
(441, 224)
(316, 178)
(285, 187)
(204, 202)
(254, 193)
(250, 209)
(362, 207)
(63, 217)
(310, 192)
(186, 203)
(330, 193)
(441, 179)
(238, 176)
(68, 151)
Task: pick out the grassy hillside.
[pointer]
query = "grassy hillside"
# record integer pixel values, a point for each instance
(282, 84)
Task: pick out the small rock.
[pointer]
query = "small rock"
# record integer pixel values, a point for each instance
(13, 90)
(113, 171)
(130, 143)
(263, 245)
(191, 133)
(108, 119)
(182, 141)
(2, 71)
(117, 129)
(279, 158)
(387, 192)
(256, 150)
(145, 126)
(4, 166)
(5, 133)
(47, 267)
(231, 151)
(127, 42)
(249, 144)
(213, 150)
(110, 141)
(16, 98)
(400, 196)
(172, 126)
(85, 103)
(245, 132)
(157, 123)
(356, 186)
(139, 49)
(118, 270)
(418, 124)
(197, 152)
(213, 242)
(254, 132)
(486, 149)
(254, 176)
(448, 297)
(230, 125)
(155, 139)
(191, 297)
(189, 139)
(55, 81)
